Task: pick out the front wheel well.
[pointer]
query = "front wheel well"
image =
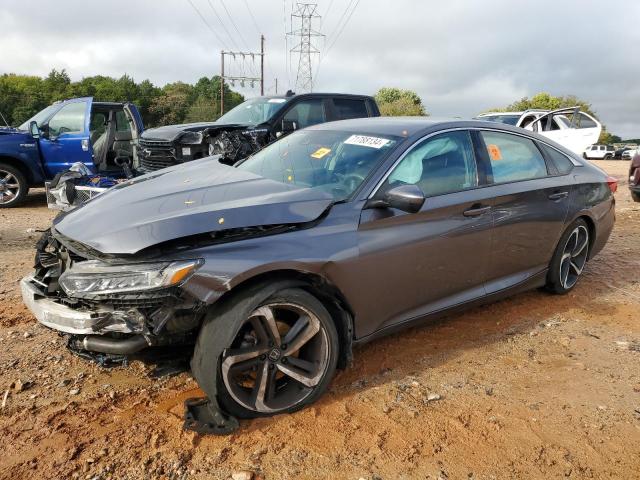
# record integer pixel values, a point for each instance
(329, 295)
(14, 162)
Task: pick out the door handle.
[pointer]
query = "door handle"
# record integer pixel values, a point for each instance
(558, 195)
(476, 211)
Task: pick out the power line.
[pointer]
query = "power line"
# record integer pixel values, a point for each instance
(215, 12)
(344, 25)
(255, 23)
(286, 43)
(208, 25)
(326, 14)
(234, 24)
(344, 14)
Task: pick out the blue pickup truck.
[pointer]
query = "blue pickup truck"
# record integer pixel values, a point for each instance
(99, 134)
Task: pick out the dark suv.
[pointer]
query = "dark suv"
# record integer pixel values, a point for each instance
(247, 128)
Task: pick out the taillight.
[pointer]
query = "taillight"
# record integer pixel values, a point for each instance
(613, 184)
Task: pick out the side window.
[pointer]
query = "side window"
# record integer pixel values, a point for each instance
(350, 108)
(585, 122)
(441, 164)
(306, 113)
(513, 158)
(560, 160)
(122, 124)
(69, 119)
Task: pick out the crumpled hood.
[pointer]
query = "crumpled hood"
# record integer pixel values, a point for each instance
(170, 133)
(197, 197)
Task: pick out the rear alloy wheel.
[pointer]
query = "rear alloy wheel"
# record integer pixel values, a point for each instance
(282, 357)
(13, 186)
(569, 259)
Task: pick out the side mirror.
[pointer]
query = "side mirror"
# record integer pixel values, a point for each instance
(289, 126)
(408, 198)
(34, 130)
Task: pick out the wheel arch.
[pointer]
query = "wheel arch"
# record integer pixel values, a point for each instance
(591, 226)
(19, 165)
(320, 287)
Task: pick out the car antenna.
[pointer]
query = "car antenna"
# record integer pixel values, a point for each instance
(4, 120)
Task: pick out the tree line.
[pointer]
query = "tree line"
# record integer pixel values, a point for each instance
(22, 96)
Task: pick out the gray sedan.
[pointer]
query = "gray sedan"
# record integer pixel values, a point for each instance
(332, 236)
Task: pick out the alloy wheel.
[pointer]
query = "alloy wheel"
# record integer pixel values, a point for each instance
(9, 187)
(278, 357)
(574, 256)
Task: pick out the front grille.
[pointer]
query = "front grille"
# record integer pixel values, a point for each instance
(155, 155)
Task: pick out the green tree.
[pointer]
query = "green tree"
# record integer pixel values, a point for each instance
(21, 96)
(397, 102)
(546, 101)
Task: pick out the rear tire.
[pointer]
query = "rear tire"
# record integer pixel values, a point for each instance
(13, 186)
(283, 354)
(635, 196)
(569, 259)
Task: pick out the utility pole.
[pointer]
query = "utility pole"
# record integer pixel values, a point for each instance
(306, 13)
(222, 83)
(276, 85)
(242, 78)
(262, 65)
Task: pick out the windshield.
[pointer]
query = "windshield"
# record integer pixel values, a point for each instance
(508, 119)
(335, 162)
(254, 111)
(39, 117)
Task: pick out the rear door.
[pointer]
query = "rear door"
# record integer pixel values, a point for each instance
(529, 207)
(412, 264)
(570, 127)
(345, 108)
(67, 141)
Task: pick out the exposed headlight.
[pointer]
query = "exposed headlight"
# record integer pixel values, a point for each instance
(96, 278)
(191, 138)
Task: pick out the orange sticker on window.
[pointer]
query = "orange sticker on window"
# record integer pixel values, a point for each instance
(494, 152)
(321, 152)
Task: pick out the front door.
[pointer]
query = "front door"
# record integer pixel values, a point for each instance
(66, 140)
(413, 264)
(529, 208)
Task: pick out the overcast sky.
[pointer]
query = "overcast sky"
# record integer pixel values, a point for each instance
(461, 57)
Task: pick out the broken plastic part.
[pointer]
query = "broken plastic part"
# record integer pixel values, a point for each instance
(205, 417)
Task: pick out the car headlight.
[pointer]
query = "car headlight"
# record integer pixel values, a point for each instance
(96, 278)
(191, 138)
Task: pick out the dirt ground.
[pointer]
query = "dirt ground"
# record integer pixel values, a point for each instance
(536, 386)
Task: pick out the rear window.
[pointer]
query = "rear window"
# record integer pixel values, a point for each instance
(350, 108)
(513, 158)
(560, 160)
(507, 119)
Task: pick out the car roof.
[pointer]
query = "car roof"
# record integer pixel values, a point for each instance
(318, 94)
(409, 126)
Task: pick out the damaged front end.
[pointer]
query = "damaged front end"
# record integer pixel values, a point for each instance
(113, 308)
(230, 143)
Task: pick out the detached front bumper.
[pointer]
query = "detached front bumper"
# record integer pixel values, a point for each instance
(65, 319)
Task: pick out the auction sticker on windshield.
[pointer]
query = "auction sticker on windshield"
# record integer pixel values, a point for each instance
(321, 152)
(365, 141)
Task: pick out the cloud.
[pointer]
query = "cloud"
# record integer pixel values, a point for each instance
(461, 57)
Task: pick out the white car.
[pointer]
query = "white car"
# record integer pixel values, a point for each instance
(629, 154)
(570, 127)
(599, 152)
